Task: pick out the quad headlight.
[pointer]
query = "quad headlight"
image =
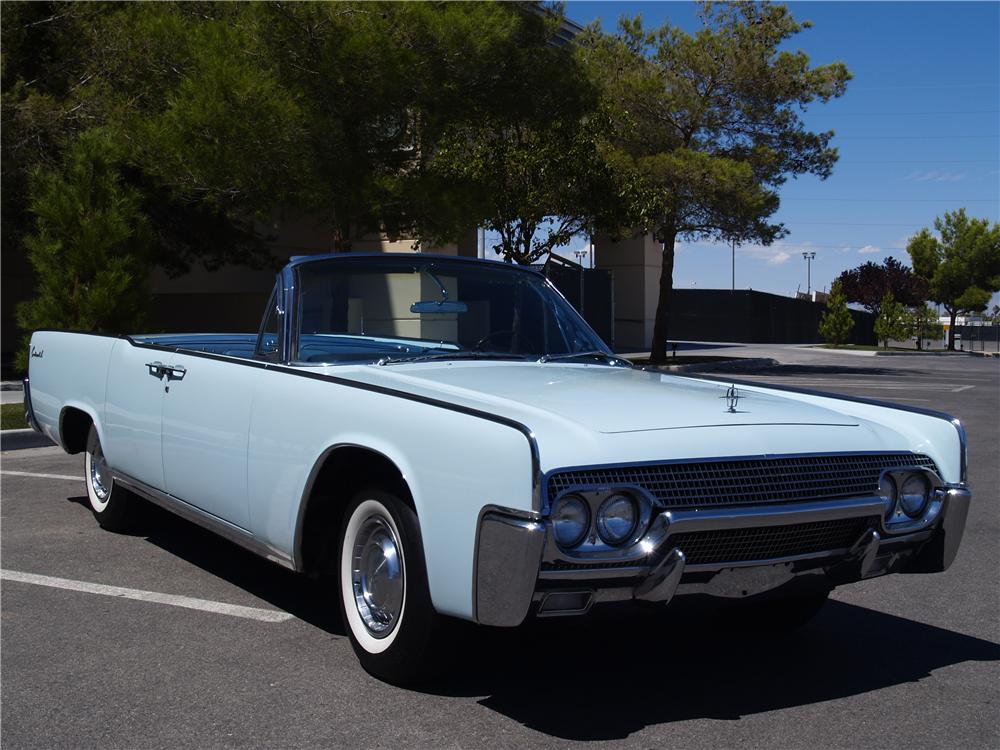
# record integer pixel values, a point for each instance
(907, 494)
(914, 495)
(570, 520)
(617, 519)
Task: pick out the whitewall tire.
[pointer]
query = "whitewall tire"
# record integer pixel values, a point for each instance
(111, 503)
(384, 598)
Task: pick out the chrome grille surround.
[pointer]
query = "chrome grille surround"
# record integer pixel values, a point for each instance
(751, 480)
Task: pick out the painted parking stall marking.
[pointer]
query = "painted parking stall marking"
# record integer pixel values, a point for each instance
(67, 477)
(187, 602)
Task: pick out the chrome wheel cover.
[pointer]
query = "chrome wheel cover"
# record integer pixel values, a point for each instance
(378, 576)
(100, 475)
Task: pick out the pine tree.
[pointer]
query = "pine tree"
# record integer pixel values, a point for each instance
(837, 322)
(90, 247)
(890, 325)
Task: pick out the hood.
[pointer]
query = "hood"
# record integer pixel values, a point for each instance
(601, 398)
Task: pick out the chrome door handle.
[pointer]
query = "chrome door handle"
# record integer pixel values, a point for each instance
(156, 368)
(175, 372)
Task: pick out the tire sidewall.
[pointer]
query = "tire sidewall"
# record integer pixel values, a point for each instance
(363, 509)
(408, 653)
(96, 504)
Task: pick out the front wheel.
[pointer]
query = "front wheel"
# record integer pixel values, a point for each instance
(112, 504)
(384, 597)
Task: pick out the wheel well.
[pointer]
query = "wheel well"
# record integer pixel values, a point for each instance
(344, 472)
(74, 427)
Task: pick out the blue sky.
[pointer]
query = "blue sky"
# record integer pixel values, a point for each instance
(917, 133)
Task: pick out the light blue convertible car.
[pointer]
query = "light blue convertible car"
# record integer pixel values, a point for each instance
(443, 437)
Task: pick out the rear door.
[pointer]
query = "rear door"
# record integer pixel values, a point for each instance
(206, 421)
(135, 390)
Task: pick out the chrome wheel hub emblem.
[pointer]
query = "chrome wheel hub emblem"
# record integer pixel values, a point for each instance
(377, 576)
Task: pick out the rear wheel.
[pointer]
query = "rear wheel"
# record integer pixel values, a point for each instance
(112, 504)
(384, 598)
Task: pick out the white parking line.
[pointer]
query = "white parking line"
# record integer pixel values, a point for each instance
(205, 605)
(78, 478)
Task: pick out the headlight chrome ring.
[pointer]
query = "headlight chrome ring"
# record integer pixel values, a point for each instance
(617, 519)
(570, 520)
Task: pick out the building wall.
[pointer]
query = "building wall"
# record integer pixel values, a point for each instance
(635, 265)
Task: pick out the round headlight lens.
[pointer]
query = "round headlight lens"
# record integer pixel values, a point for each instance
(914, 495)
(617, 519)
(570, 520)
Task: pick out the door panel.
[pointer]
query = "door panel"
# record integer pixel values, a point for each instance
(133, 412)
(206, 418)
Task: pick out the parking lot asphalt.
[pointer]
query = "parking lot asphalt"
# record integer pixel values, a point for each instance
(235, 652)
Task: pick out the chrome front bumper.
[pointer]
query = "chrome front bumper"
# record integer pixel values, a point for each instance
(516, 563)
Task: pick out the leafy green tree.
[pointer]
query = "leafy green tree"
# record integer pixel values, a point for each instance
(711, 125)
(890, 325)
(961, 264)
(541, 184)
(837, 322)
(922, 323)
(90, 247)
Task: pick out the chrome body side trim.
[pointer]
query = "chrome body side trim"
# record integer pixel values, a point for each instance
(536, 473)
(506, 562)
(207, 521)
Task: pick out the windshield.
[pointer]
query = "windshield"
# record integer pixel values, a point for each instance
(387, 309)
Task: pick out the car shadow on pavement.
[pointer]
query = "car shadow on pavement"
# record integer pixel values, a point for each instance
(312, 601)
(604, 679)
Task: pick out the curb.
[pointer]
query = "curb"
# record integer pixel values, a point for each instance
(732, 365)
(13, 440)
(934, 354)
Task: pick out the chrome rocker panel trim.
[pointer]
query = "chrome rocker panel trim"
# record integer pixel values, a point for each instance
(206, 520)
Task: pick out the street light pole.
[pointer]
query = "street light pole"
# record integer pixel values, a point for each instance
(809, 259)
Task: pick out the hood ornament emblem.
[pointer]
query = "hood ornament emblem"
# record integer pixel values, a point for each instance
(732, 399)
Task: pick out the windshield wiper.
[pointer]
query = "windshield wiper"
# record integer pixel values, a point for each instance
(389, 360)
(611, 359)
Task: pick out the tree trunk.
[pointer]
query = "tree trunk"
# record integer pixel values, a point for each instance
(951, 330)
(661, 324)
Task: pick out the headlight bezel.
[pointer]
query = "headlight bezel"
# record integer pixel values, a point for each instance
(593, 543)
(897, 519)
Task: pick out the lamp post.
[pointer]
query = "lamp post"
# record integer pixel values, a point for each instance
(809, 259)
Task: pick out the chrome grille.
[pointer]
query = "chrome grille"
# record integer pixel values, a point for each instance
(770, 542)
(753, 481)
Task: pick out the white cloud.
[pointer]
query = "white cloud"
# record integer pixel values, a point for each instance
(935, 175)
(778, 258)
(869, 249)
